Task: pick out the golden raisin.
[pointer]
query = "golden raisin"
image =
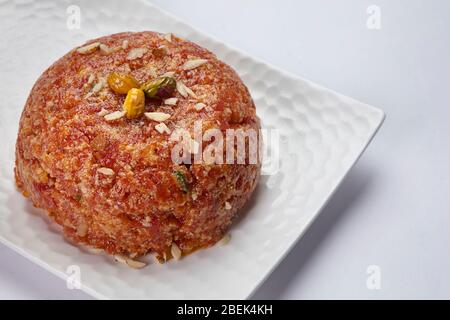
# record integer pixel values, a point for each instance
(121, 83)
(134, 104)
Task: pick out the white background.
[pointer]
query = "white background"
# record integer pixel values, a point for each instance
(393, 210)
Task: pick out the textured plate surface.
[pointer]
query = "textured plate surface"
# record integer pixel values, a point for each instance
(321, 135)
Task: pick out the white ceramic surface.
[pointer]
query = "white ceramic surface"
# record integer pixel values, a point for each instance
(322, 134)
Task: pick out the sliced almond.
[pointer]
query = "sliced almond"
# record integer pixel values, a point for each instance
(114, 115)
(161, 128)
(157, 116)
(226, 238)
(182, 89)
(102, 112)
(192, 64)
(88, 48)
(130, 262)
(135, 264)
(168, 37)
(191, 93)
(136, 53)
(185, 91)
(171, 101)
(94, 250)
(199, 106)
(106, 171)
(168, 74)
(176, 252)
(120, 259)
(82, 229)
(91, 78)
(227, 205)
(97, 87)
(105, 49)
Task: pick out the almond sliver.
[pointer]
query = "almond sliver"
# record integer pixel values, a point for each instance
(157, 116)
(192, 64)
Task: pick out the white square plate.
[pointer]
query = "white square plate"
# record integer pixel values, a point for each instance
(322, 134)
